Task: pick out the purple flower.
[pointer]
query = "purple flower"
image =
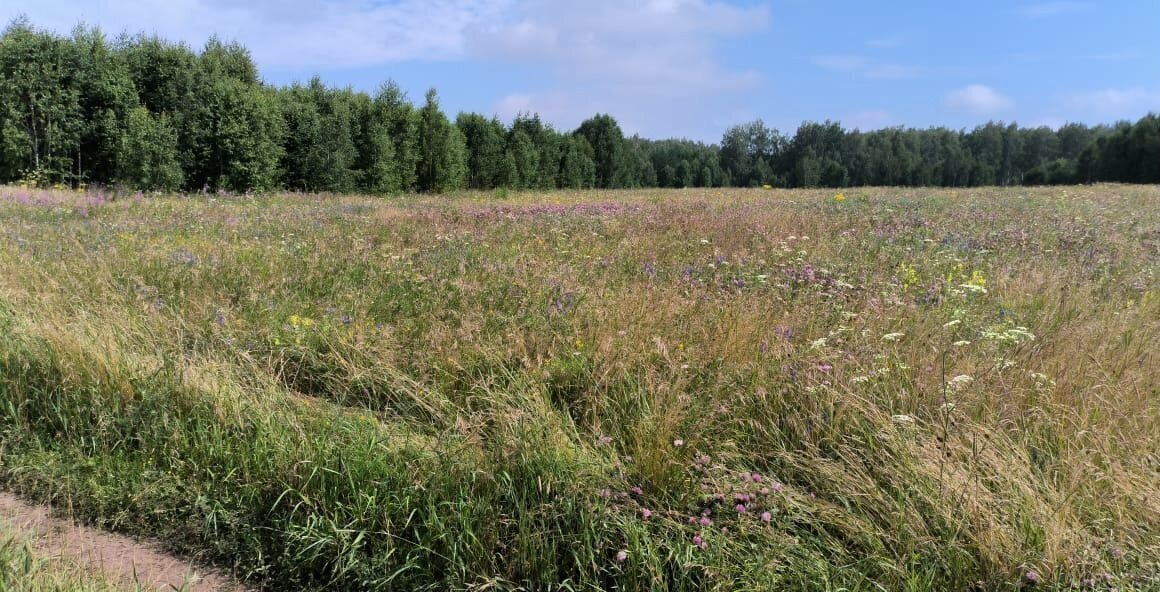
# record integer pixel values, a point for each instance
(756, 478)
(645, 513)
(1031, 578)
(705, 521)
(778, 487)
(766, 516)
(621, 556)
(638, 491)
(740, 508)
(697, 540)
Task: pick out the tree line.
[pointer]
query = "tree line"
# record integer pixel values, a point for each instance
(144, 112)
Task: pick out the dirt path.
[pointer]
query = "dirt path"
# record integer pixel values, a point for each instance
(120, 559)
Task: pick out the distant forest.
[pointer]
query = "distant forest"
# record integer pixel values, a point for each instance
(143, 112)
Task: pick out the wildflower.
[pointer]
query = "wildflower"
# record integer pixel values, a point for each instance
(621, 556)
(1031, 578)
(645, 513)
(778, 487)
(756, 478)
(705, 521)
(766, 516)
(637, 491)
(678, 442)
(839, 197)
(740, 508)
(604, 440)
(697, 540)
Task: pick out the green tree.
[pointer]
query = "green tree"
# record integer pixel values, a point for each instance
(236, 137)
(485, 149)
(147, 154)
(607, 141)
(398, 119)
(578, 168)
(442, 150)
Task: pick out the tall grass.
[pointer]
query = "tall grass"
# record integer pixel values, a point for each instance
(23, 569)
(905, 389)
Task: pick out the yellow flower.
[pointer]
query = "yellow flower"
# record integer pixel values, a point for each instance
(767, 187)
(839, 197)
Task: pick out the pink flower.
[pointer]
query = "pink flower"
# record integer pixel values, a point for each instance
(756, 478)
(766, 516)
(740, 508)
(778, 487)
(645, 513)
(678, 442)
(705, 521)
(638, 491)
(621, 556)
(697, 540)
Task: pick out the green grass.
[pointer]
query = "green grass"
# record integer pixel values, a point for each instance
(22, 569)
(938, 390)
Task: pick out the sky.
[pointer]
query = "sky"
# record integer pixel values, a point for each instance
(689, 68)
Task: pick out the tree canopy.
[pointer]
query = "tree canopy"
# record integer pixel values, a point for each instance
(152, 114)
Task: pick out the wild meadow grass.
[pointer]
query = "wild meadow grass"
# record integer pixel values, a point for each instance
(665, 390)
(22, 569)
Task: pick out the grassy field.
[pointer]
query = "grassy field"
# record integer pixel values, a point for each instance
(665, 390)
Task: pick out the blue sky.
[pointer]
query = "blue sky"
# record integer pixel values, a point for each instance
(691, 68)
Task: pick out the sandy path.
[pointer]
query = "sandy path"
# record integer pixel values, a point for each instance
(122, 560)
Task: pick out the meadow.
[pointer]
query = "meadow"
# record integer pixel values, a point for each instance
(884, 389)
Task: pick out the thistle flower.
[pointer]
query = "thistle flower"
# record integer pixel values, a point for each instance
(766, 516)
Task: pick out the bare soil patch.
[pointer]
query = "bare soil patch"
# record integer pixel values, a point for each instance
(122, 560)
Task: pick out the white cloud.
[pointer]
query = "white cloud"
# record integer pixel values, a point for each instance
(870, 119)
(293, 34)
(864, 67)
(1115, 102)
(978, 99)
(1048, 9)
(651, 63)
(887, 42)
(842, 63)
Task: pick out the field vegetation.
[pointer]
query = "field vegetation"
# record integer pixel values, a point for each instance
(715, 389)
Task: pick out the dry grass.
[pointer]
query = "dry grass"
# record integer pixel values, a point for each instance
(940, 389)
